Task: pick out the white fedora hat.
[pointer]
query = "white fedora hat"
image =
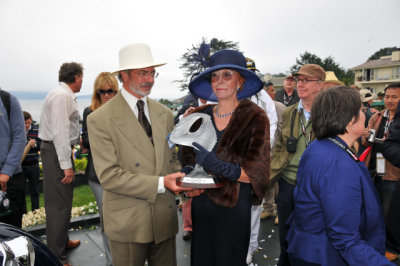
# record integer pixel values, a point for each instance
(136, 56)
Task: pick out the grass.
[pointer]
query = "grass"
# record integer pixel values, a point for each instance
(82, 195)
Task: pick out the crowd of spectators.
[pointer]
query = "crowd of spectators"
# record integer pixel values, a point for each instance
(314, 155)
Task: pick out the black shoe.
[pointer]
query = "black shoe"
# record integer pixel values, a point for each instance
(187, 235)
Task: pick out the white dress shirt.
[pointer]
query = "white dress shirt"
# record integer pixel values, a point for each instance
(132, 101)
(264, 101)
(59, 122)
(307, 115)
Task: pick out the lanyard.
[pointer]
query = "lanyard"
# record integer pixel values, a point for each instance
(286, 98)
(387, 124)
(341, 145)
(303, 128)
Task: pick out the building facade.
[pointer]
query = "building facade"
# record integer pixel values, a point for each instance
(375, 75)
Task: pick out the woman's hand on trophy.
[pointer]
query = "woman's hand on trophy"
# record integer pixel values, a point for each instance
(188, 111)
(201, 153)
(210, 162)
(187, 169)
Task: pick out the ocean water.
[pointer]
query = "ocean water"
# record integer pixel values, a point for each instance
(34, 107)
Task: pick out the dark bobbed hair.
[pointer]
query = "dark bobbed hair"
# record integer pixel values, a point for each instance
(26, 115)
(333, 109)
(392, 86)
(68, 71)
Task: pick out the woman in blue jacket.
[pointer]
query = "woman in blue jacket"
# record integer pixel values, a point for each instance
(337, 219)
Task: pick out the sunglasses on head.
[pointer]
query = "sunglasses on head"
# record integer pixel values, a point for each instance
(109, 91)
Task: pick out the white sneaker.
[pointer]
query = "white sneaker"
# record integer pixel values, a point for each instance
(249, 258)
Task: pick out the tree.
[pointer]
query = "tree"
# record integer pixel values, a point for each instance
(383, 52)
(165, 102)
(306, 58)
(191, 67)
(328, 64)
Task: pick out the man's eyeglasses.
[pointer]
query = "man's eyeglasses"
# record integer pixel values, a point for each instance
(144, 74)
(109, 91)
(305, 81)
(225, 74)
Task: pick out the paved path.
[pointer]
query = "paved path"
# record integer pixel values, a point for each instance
(91, 253)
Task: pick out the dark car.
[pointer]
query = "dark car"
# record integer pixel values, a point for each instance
(17, 247)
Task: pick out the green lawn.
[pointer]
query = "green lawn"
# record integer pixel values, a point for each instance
(82, 195)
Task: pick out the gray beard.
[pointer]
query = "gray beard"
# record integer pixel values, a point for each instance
(138, 92)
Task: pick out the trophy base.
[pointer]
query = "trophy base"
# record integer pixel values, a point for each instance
(199, 183)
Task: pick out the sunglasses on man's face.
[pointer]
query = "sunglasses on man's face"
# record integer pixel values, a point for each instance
(109, 91)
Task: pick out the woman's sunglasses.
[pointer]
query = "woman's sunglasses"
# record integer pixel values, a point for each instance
(109, 91)
(225, 74)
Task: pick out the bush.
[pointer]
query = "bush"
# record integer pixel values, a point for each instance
(80, 165)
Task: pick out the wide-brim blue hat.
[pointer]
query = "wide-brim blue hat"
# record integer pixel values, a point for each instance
(200, 85)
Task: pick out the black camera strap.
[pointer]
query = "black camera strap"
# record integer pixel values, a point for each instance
(341, 145)
(292, 122)
(386, 128)
(303, 127)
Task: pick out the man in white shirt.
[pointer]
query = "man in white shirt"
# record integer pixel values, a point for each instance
(269, 206)
(264, 101)
(59, 131)
(135, 166)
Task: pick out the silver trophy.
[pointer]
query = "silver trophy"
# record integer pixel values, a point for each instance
(205, 135)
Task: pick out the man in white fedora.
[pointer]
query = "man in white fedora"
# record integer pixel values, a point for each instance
(135, 166)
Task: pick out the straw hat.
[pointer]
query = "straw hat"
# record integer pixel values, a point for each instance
(136, 56)
(331, 78)
(225, 59)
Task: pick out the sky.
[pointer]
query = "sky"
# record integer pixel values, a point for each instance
(36, 37)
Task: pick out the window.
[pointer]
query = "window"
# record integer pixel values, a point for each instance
(396, 72)
(368, 74)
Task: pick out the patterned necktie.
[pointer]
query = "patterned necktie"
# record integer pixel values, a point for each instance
(143, 120)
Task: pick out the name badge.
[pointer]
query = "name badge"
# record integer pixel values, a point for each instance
(171, 144)
(380, 164)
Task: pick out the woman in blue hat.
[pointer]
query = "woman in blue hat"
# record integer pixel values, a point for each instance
(240, 159)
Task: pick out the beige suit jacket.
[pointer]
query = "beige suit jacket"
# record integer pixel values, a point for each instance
(129, 167)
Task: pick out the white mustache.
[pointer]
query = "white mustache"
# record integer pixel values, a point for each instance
(147, 84)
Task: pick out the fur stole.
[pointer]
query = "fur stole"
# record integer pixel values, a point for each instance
(245, 141)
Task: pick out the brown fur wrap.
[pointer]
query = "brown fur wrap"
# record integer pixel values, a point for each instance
(245, 141)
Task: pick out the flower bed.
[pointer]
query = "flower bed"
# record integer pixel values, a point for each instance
(37, 217)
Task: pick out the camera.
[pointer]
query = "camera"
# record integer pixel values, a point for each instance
(291, 144)
(4, 201)
(372, 135)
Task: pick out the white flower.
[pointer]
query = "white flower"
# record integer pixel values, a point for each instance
(39, 216)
